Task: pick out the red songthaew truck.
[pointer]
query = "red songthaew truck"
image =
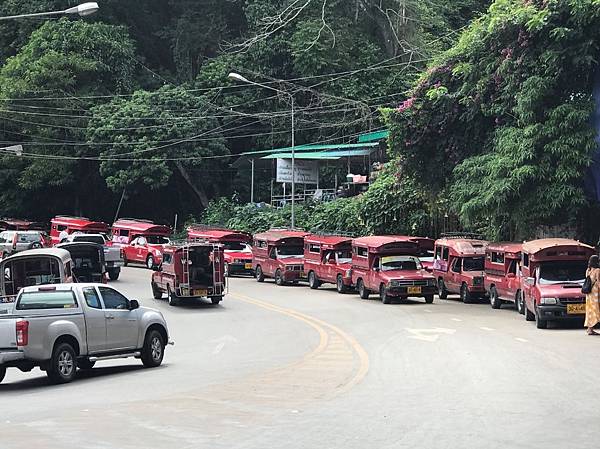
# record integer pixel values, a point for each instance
(190, 271)
(459, 267)
(62, 226)
(390, 265)
(328, 258)
(279, 254)
(552, 274)
(236, 244)
(502, 269)
(143, 241)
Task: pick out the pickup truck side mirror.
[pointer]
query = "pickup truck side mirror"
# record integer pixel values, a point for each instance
(134, 304)
(530, 281)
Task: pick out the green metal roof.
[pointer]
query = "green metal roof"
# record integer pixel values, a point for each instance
(374, 136)
(321, 155)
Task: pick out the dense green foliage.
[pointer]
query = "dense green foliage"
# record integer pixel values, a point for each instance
(502, 120)
(86, 95)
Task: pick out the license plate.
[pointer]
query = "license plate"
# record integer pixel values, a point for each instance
(200, 292)
(575, 309)
(248, 266)
(414, 290)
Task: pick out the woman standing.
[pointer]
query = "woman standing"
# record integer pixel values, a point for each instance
(592, 305)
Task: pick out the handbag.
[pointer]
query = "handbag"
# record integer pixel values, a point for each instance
(587, 286)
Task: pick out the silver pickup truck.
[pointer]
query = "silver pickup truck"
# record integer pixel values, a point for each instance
(113, 255)
(62, 327)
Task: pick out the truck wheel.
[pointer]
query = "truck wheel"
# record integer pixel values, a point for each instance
(313, 282)
(36, 245)
(172, 297)
(150, 262)
(429, 299)
(383, 295)
(519, 303)
(494, 300)
(153, 350)
(2, 373)
(339, 284)
(442, 292)
(540, 323)
(226, 270)
(156, 292)
(216, 299)
(528, 315)
(259, 275)
(363, 291)
(85, 364)
(279, 277)
(465, 296)
(63, 366)
(113, 275)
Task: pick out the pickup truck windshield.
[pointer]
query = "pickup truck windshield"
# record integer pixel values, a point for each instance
(289, 251)
(473, 263)
(157, 240)
(391, 263)
(555, 272)
(89, 238)
(47, 300)
(344, 256)
(237, 246)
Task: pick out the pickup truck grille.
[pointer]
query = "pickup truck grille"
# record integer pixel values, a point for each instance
(405, 283)
(565, 301)
(295, 268)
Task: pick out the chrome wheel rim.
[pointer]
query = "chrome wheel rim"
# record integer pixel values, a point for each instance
(66, 363)
(156, 349)
(150, 262)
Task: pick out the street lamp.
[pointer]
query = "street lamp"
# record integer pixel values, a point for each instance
(85, 9)
(239, 78)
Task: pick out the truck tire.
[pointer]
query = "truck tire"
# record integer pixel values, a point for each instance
(85, 364)
(429, 299)
(114, 273)
(363, 291)
(385, 299)
(153, 350)
(156, 292)
(540, 323)
(216, 299)
(520, 303)
(339, 284)
(172, 297)
(279, 278)
(495, 302)
(529, 316)
(259, 275)
(2, 373)
(465, 296)
(63, 364)
(150, 262)
(442, 292)
(313, 282)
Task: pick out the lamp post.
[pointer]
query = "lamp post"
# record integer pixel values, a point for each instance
(85, 9)
(237, 77)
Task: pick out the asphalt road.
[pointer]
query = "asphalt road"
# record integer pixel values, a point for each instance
(289, 367)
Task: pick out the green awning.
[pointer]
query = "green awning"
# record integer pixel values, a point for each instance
(374, 136)
(320, 155)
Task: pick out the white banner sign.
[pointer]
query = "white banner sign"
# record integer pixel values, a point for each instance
(307, 172)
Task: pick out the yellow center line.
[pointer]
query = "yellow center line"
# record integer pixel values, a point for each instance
(321, 327)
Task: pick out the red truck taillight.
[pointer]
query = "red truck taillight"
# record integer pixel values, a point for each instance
(22, 333)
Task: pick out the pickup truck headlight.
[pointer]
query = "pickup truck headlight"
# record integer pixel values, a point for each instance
(549, 301)
(478, 280)
(394, 283)
(431, 282)
(349, 273)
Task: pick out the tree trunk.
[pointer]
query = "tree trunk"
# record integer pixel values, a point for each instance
(198, 190)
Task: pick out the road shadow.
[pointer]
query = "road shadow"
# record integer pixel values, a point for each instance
(82, 377)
